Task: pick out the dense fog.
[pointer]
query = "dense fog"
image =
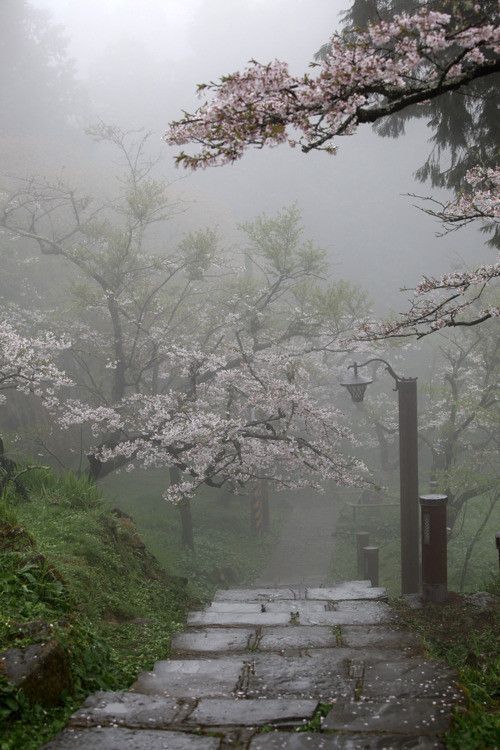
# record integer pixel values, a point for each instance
(140, 68)
(249, 352)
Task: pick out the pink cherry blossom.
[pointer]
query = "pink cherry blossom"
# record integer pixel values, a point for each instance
(363, 77)
(27, 363)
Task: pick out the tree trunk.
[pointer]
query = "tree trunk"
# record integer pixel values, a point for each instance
(187, 534)
(259, 508)
(118, 387)
(266, 521)
(473, 541)
(187, 523)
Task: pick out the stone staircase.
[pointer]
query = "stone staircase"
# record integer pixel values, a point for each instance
(269, 668)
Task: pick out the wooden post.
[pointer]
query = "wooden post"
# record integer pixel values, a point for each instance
(370, 565)
(434, 548)
(362, 540)
(408, 469)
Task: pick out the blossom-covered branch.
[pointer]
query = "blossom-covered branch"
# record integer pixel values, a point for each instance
(457, 298)
(363, 77)
(479, 200)
(27, 363)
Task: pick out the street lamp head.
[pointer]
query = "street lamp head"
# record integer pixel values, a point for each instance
(355, 384)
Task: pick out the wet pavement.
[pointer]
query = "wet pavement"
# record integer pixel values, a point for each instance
(279, 667)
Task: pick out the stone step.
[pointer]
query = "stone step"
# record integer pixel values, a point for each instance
(258, 594)
(136, 711)
(128, 709)
(115, 738)
(252, 713)
(345, 613)
(282, 606)
(251, 669)
(421, 715)
(348, 741)
(345, 590)
(213, 640)
(192, 678)
(350, 590)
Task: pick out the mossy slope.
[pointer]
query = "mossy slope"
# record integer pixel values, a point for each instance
(73, 571)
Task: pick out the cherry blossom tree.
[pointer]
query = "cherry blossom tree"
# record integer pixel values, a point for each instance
(239, 399)
(198, 361)
(364, 76)
(235, 424)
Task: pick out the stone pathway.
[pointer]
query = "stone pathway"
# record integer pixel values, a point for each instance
(257, 670)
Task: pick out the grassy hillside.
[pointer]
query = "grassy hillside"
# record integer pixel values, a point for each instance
(75, 571)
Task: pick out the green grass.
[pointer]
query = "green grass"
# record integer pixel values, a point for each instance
(72, 570)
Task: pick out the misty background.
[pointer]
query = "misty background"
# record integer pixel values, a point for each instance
(139, 63)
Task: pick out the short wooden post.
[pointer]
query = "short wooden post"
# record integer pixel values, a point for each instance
(434, 548)
(497, 539)
(362, 540)
(370, 565)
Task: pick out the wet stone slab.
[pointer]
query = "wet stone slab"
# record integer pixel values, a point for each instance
(252, 712)
(282, 606)
(417, 716)
(361, 613)
(192, 678)
(306, 741)
(229, 619)
(406, 678)
(257, 595)
(320, 675)
(128, 709)
(302, 637)
(349, 613)
(347, 591)
(129, 739)
(213, 640)
(378, 636)
(304, 613)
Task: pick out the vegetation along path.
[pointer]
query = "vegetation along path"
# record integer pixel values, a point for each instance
(268, 668)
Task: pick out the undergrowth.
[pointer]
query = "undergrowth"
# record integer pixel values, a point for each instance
(467, 638)
(74, 571)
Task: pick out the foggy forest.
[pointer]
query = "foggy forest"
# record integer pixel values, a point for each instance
(249, 367)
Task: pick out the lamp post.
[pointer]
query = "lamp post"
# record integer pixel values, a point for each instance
(408, 466)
